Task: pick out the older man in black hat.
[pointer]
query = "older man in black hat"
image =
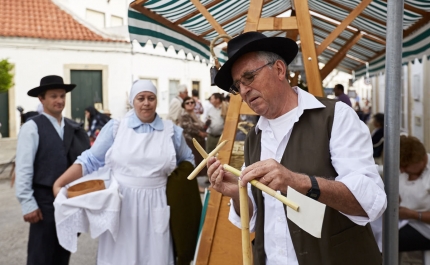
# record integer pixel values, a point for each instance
(47, 145)
(317, 146)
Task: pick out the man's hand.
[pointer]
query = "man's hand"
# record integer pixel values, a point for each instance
(221, 180)
(34, 216)
(274, 175)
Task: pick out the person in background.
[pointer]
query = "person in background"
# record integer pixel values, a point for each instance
(96, 121)
(47, 145)
(340, 95)
(175, 109)
(414, 191)
(378, 134)
(193, 128)
(198, 108)
(143, 155)
(214, 122)
(367, 110)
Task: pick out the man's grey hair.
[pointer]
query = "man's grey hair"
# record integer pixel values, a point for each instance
(182, 88)
(271, 57)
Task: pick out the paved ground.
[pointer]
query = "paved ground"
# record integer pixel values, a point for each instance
(14, 231)
(14, 234)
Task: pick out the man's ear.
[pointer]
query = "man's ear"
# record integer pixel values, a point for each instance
(281, 69)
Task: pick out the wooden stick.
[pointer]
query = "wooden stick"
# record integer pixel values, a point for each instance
(203, 163)
(200, 148)
(264, 188)
(244, 219)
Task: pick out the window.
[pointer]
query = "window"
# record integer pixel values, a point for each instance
(96, 18)
(116, 21)
(173, 89)
(196, 85)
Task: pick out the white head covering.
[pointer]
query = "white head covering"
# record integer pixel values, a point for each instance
(141, 86)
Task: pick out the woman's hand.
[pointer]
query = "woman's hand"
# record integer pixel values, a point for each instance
(406, 213)
(203, 134)
(221, 180)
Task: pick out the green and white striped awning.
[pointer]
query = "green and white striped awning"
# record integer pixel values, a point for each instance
(231, 15)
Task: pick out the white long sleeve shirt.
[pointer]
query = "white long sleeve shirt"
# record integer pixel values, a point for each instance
(351, 155)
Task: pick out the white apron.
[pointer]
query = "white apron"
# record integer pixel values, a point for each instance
(141, 163)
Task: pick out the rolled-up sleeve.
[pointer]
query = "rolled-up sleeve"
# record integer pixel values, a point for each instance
(351, 153)
(94, 158)
(28, 142)
(183, 151)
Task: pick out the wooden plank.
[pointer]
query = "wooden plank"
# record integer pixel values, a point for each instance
(167, 23)
(210, 18)
(344, 39)
(192, 14)
(414, 9)
(277, 23)
(246, 110)
(227, 245)
(333, 35)
(208, 229)
(236, 17)
(378, 21)
(254, 14)
(310, 58)
(138, 3)
(373, 37)
(230, 126)
(417, 25)
(338, 57)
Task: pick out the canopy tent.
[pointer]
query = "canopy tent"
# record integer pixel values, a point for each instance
(180, 24)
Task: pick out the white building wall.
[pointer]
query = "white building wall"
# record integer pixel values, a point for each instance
(34, 59)
(416, 76)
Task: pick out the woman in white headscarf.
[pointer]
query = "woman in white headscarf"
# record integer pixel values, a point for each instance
(141, 151)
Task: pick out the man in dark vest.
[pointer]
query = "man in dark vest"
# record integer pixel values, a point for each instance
(47, 145)
(317, 146)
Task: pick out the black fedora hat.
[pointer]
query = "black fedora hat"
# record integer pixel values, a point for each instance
(253, 42)
(50, 82)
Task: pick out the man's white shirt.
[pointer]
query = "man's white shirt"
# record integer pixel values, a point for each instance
(351, 154)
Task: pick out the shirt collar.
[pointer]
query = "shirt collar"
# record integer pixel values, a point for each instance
(135, 122)
(52, 119)
(305, 101)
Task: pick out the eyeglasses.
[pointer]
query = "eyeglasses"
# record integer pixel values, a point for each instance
(190, 103)
(246, 79)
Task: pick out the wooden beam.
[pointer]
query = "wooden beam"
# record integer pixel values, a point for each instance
(344, 39)
(236, 17)
(167, 23)
(376, 38)
(277, 23)
(413, 9)
(423, 21)
(210, 18)
(310, 58)
(292, 34)
(138, 3)
(338, 57)
(254, 15)
(336, 32)
(378, 21)
(192, 14)
(347, 55)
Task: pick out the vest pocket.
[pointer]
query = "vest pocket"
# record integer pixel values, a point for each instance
(160, 219)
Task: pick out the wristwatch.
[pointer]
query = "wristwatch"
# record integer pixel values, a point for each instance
(314, 191)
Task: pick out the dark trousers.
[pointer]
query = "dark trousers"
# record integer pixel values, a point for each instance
(43, 247)
(411, 240)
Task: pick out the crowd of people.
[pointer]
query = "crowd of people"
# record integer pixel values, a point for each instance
(147, 158)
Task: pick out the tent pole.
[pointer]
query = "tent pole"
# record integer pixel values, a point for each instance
(393, 66)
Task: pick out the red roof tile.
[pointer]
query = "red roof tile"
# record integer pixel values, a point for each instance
(41, 19)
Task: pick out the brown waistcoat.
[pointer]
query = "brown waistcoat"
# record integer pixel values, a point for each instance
(342, 241)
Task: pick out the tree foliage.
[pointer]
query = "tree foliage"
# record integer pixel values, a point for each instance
(6, 76)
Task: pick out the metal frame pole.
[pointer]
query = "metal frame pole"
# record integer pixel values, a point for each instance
(393, 64)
